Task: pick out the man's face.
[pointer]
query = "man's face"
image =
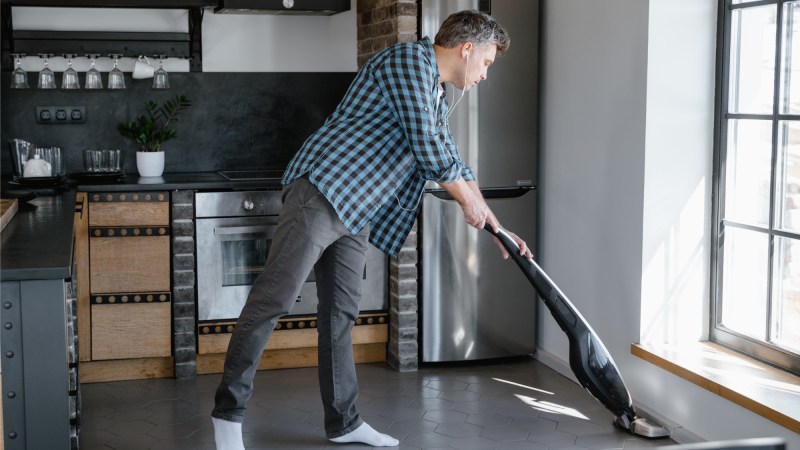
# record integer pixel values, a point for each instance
(480, 58)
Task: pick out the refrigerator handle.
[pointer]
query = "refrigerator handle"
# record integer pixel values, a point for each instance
(488, 193)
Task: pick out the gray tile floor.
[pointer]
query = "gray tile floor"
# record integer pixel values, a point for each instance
(519, 404)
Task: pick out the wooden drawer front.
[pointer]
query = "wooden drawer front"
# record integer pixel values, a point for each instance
(129, 209)
(129, 264)
(140, 330)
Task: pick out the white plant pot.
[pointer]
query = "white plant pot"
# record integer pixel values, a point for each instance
(150, 164)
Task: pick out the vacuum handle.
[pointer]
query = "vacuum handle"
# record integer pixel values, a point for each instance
(511, 247)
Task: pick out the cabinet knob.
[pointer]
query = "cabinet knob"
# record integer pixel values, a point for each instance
(7, 305)
(8, 326)
(248, 205)
(9, 354)
(12, 435)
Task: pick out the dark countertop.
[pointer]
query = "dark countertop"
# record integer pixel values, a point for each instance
(173, 181)
(37, 243)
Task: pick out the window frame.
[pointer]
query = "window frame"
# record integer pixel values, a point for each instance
(761, 350)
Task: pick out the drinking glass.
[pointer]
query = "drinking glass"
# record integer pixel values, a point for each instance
(47, 79)
(116, 79)
(88, 161)
(160, 77)
(93, 79)
(21, 150)
(69, 79)
(19, 78)
(114, 160)
(53, 156)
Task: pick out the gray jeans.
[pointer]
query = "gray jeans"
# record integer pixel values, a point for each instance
(309, 234)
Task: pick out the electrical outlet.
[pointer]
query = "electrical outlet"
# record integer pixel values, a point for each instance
(60, 114)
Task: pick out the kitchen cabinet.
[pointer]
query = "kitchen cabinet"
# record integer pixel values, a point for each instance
(125, 310)
(41, 391)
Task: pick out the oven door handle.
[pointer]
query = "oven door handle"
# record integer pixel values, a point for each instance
(243, 230)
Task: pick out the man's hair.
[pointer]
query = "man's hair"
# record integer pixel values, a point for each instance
(474, 26)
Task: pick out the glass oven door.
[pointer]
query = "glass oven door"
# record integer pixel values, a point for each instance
(231, 253)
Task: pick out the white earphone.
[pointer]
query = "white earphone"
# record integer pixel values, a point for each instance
(463, 89)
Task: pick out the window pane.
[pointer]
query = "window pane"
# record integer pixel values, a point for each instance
(788, 177)
(744, 285)
(786, 296)
(752, 65)
(747, 171)
(790, 99)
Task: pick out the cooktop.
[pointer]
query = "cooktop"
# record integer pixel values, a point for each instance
(240, 175)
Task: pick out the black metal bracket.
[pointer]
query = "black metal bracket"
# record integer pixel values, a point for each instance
(128, 44)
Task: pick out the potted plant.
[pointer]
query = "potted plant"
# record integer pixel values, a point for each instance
(150, 130)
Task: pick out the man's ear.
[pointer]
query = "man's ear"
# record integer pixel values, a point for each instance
(466, 47)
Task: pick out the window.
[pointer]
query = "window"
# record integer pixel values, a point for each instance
(756, 259)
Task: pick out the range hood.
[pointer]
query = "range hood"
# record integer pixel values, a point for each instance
(292, 7)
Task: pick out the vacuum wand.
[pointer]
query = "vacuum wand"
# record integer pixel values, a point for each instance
(589, 360)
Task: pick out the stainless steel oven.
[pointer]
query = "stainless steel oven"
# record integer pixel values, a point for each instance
(234, 231)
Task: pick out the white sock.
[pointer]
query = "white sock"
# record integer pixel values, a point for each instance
(366, 434)
(227, 434)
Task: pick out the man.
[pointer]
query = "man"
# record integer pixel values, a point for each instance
(359, 179)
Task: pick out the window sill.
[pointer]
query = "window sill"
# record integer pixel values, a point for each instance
(769, 392)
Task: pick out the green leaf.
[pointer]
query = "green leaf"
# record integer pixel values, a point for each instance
(151, 129)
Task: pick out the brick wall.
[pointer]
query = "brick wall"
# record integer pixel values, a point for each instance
(382, 23)
(183, 285)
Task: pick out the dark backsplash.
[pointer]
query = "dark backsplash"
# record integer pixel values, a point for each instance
(236, 121)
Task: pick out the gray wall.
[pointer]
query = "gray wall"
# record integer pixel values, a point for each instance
(626, 116)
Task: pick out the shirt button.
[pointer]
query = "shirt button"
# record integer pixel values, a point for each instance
(439, 123)
(426, 109)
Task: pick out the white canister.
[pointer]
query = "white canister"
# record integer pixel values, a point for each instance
(37, 167)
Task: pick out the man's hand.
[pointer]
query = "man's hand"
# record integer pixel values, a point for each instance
(477, 213)
(523, 247)
(469, 198)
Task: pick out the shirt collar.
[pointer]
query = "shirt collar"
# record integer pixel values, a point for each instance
(427, 47)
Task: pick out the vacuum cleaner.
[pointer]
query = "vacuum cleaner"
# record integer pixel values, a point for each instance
(588, 358)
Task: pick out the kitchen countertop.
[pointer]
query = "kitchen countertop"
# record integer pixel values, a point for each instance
(178, 180)
(37, 243)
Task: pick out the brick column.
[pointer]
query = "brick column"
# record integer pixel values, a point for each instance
(184, 341)
(382, 23)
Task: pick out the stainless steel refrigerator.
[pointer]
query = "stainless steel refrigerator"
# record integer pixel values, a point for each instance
(474, 304)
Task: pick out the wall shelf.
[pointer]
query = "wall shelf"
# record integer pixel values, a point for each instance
(128, 44)
(152, 4)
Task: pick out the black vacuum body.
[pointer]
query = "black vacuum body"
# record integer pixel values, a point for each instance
(588, 358)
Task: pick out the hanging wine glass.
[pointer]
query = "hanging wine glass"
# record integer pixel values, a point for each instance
(116, 79)
(47, 79)
(93, 78)
(19, 78)
(160, 77)
(69, 79)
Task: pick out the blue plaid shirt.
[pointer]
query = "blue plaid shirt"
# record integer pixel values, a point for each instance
(388, 136)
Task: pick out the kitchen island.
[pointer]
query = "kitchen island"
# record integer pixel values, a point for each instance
(39, 363)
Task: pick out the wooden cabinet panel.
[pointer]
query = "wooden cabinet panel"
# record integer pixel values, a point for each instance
(82, 275)
(120, 209)
(129, 264)
(136, 330)
(282, 339)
